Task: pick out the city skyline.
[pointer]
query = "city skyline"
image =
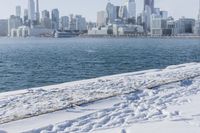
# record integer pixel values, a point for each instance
(85, 8)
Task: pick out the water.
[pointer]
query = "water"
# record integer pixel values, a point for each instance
(34, 62)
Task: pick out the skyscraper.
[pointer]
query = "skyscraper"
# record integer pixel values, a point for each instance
(45, 20)
(55, 19)
(101, 18)
(110, 13)
(37, 14)
(149, 3)
(64, 23)
(31, 10)
(199, 11)
(131, 8)
(18, 11)
(26, 21)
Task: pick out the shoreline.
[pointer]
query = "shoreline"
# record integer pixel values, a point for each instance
(111, 36)
(32, 102)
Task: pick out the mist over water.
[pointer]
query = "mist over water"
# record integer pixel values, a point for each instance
(35, 62)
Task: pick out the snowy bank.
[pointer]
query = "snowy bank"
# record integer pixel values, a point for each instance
(170, 102)
(32, 102)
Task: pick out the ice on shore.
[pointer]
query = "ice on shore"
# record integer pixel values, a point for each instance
(145, 97)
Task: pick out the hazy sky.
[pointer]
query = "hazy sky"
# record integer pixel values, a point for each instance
(88, 8)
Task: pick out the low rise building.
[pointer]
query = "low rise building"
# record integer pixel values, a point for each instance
(158, 25)
(184, 26)
(3, 27)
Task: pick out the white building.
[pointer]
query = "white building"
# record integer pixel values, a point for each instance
(101, 18)
(40, 31)
(18, 11)
(131, 8)
(123, 12)
(130, 30)
(31, 10)
(3, 27)
(156, 28)
(102, 31)
(164, 14)
(22, 31)
(13, 23)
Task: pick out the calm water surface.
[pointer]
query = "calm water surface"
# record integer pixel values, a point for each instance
(34, 62)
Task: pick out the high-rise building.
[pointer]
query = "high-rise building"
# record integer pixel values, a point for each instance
(111, 13)
(26, 21)
(197, 23)
(147, 18)
(55, 19)
(64, 23)
(31, 10)
(123, 12)
(18, 11)
(158, 25)
(164, 14)
(72, 22)
(149, 3)
(3, 27)
(101, 18)
(37, 14)
(45, 14)
(131, 8)
(199, 11)
(81, 24)
(13, 23)
(45, 20)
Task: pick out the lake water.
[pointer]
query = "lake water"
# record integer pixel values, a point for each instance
(34, 62)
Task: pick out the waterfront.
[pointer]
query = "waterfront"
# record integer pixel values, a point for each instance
(34, 62)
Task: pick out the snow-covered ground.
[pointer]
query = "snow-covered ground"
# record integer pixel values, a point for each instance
(149, 101)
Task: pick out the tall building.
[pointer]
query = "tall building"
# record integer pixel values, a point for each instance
(26, 21)
(81, 24)
(55, 19)
(197, 23)
(101, 18)
(131, 8)
(123, 12)
(37, 14)
(164, 14)
(72, 22)
(45, 20)
(31, 10)
(149, 3)
(111, 13)
(13, 23)
(45, 14)
(158, 25)
(64, 23)
(147, 18)
(3, 27)
(18, 11)
(199, 11)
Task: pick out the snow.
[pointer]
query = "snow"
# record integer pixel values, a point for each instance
(146, 101)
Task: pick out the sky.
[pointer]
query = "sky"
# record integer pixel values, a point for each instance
(89, 8)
